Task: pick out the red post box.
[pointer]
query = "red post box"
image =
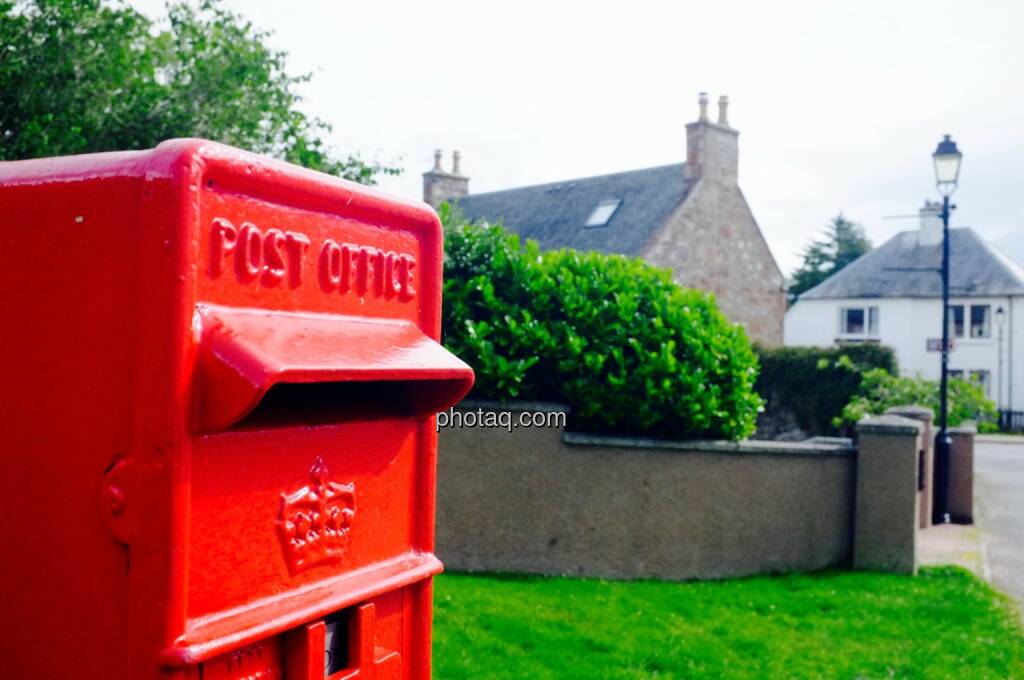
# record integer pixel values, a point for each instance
(219, 377)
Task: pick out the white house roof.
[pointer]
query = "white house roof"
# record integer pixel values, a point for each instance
(902, 267)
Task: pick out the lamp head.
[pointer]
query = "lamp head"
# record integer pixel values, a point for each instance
(947, 165)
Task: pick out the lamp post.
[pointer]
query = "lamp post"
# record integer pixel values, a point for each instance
(947, 169)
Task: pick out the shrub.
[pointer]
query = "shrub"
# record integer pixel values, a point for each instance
(880, 390)
(627, 349)
(809, 386)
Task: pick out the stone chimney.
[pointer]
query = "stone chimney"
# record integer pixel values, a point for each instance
(440, 186)
(712, 149)
(931, 224)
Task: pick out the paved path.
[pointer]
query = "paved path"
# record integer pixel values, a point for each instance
(958, 544)
(999, 505)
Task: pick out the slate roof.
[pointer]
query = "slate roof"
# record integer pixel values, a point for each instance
(554, 214)
(975, 270)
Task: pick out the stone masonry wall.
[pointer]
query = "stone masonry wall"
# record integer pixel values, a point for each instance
(439, 187)
(540, 500)
(713, 243)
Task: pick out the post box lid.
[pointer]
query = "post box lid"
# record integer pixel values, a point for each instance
(348, 365)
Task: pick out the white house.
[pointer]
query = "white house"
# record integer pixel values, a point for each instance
(893, 296)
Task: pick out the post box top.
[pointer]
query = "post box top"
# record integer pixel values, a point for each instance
(189, 158)
(251, 231)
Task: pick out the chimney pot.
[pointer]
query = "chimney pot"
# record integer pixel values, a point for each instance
(440, 186)
(702, 100)
(931, 224)
(712, 150)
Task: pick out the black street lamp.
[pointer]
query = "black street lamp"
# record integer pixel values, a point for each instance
(947, 169)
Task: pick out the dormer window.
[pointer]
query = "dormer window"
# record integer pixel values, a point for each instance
(602, 213)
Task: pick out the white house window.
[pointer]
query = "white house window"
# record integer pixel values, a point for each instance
(956, 320)
(858, 321)
(981, 321)
(956, 373)
(602, 213)
(983, 378)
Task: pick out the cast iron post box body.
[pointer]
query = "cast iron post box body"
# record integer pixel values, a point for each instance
(220, 374)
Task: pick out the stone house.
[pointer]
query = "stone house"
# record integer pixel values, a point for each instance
(688, 217)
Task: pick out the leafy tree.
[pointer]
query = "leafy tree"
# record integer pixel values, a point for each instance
(844, 241)
(79, 76)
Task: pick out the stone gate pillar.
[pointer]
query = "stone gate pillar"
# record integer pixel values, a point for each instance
(888, 500)
(927, 461)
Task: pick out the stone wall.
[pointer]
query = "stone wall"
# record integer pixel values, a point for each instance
(713, 243)
(888, 502)
(961, 474)
(926, 459)
(541, 500)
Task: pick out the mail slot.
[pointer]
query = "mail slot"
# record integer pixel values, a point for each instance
(220, 374)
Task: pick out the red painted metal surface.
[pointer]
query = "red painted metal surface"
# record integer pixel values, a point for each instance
(219, 377)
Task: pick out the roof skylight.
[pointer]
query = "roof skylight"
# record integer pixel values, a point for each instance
(602, 213)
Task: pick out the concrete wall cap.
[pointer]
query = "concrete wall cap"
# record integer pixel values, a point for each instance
(912, 411)
(819, 439)
(748, 447)
(967, 427)
(515, 406)
(889, 424)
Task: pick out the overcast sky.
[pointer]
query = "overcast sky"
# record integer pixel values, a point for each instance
(839, 104)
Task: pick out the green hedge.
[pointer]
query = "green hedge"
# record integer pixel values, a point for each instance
(627, 349)
(810, 386)
(880, 390)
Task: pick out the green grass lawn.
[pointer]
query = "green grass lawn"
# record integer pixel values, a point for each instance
(944, 623)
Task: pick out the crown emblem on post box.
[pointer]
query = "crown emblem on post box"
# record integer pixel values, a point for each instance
(313, 522)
